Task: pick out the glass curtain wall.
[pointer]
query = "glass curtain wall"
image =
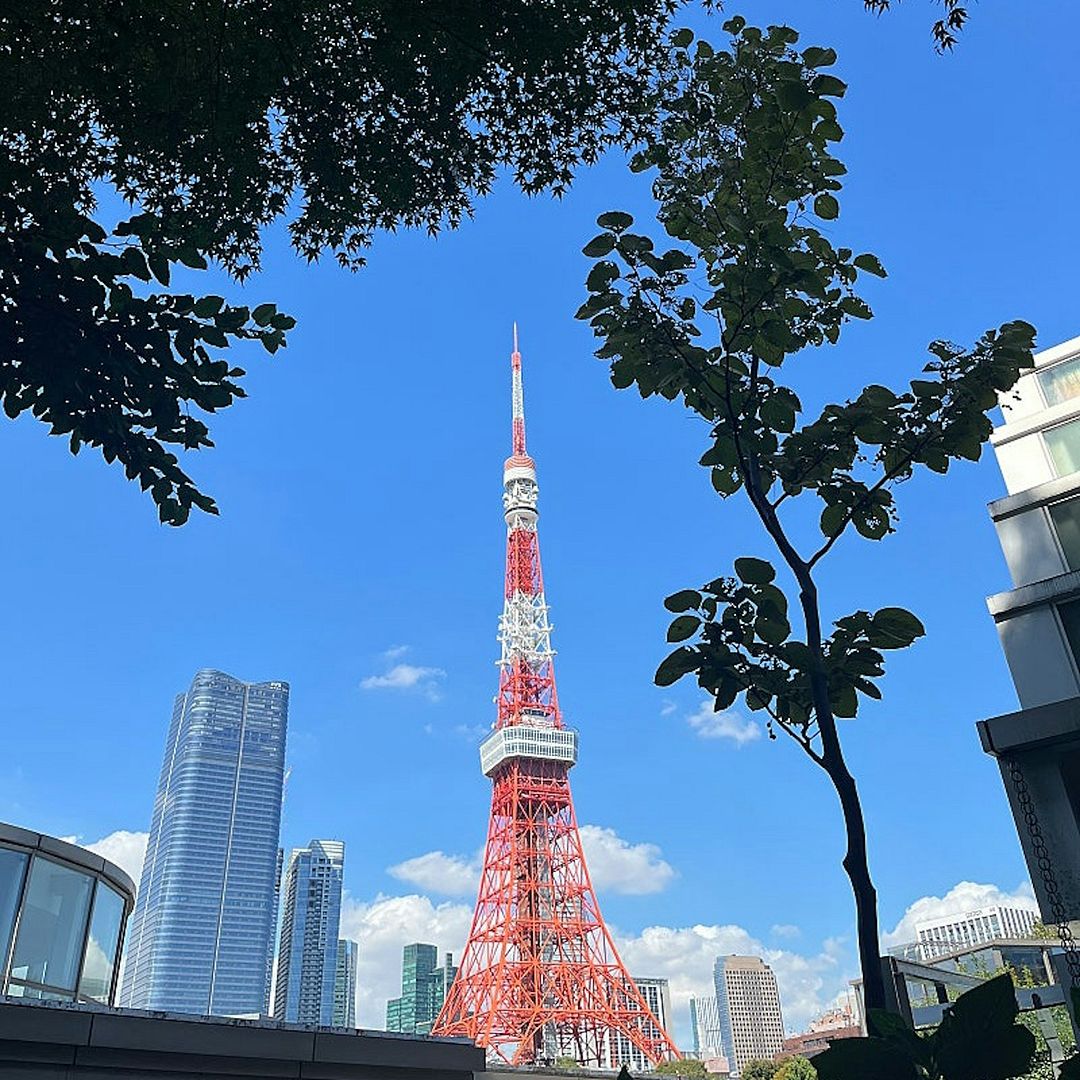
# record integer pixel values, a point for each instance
(60, 929)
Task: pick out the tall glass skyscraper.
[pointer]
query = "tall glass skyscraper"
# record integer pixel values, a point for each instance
(202, 932)
(308, 953)
(345, 984)
(424, 987)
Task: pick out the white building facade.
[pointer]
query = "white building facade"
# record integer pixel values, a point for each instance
(1038, 621)
(748, 1001)
(620, 1050)
(935, 937)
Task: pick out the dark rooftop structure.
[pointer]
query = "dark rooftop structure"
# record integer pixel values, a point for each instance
(61, 1041)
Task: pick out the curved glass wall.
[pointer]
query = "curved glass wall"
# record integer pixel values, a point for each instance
(61, 922)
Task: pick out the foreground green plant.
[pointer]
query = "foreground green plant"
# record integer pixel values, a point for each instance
(746, 180)
(978, 1039)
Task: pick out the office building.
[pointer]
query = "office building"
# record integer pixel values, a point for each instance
(705, 1026)
(1038, 621)
(308, 950)
(747, 999)
(424, 987)
(203, 928)
(345, 984)
(936, 937)
(620, 1050)
(62, 916)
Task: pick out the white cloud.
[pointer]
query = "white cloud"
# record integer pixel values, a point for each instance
(423, 680)
(621, 867)
(615, 865)
(126, 849)
(785, 930)
(962, 897)
(808, 983)
(729, 724)
(450, 875)
(382, 927)
(395, 652)
(668, 707)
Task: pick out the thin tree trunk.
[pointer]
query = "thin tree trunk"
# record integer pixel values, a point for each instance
(855, 862)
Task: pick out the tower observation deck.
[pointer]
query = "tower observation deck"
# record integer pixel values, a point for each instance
(540, 977)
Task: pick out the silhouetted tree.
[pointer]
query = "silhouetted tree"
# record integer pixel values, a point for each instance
(744, 176)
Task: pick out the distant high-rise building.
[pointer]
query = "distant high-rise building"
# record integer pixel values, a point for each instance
(620, 1050)
(345, 984)
(935, 937)
(203, 926)
(705, 1026)
(747, 999)
(308, 950)
(424, 986)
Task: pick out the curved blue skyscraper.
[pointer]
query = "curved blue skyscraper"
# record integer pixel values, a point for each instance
(201, 936)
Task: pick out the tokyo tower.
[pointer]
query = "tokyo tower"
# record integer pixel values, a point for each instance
(539, 978)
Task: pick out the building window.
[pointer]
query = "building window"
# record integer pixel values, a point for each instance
(12, 868)
(1063, 443)
(1060, 382)
(1066, 518)
(1070, 621)
(105, 923)
(49, 945)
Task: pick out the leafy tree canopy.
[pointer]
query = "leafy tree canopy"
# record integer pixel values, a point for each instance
(758, 1069)
(796, 1068)
(216, 117)
(691, 1068)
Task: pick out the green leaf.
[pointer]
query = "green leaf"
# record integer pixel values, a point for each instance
(754, 571)
(773, 630)
(601, 276)
(206, 306)
(832, 518)
(683, 600)
(264, 313)
(815, 57)
(615, 220)
(682, 38)
(159, 267)
(828, 86)
(895, 1029)
(978, 1038)
(599, 246)
(895, 628)
(870, 263)
(826, 207)
(190, 257)
(682, 661)
(864, 1059)
(683, 627)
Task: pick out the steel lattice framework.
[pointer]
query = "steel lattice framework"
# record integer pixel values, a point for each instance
(540, 977)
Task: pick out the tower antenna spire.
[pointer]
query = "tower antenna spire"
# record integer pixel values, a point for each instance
(540, 977)
(518, 400)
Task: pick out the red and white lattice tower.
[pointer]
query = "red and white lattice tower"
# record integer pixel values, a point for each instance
(539, 977)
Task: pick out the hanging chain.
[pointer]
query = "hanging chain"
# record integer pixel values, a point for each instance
(1051, 889)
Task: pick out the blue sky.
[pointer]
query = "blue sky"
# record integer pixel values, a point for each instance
(360, 494)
